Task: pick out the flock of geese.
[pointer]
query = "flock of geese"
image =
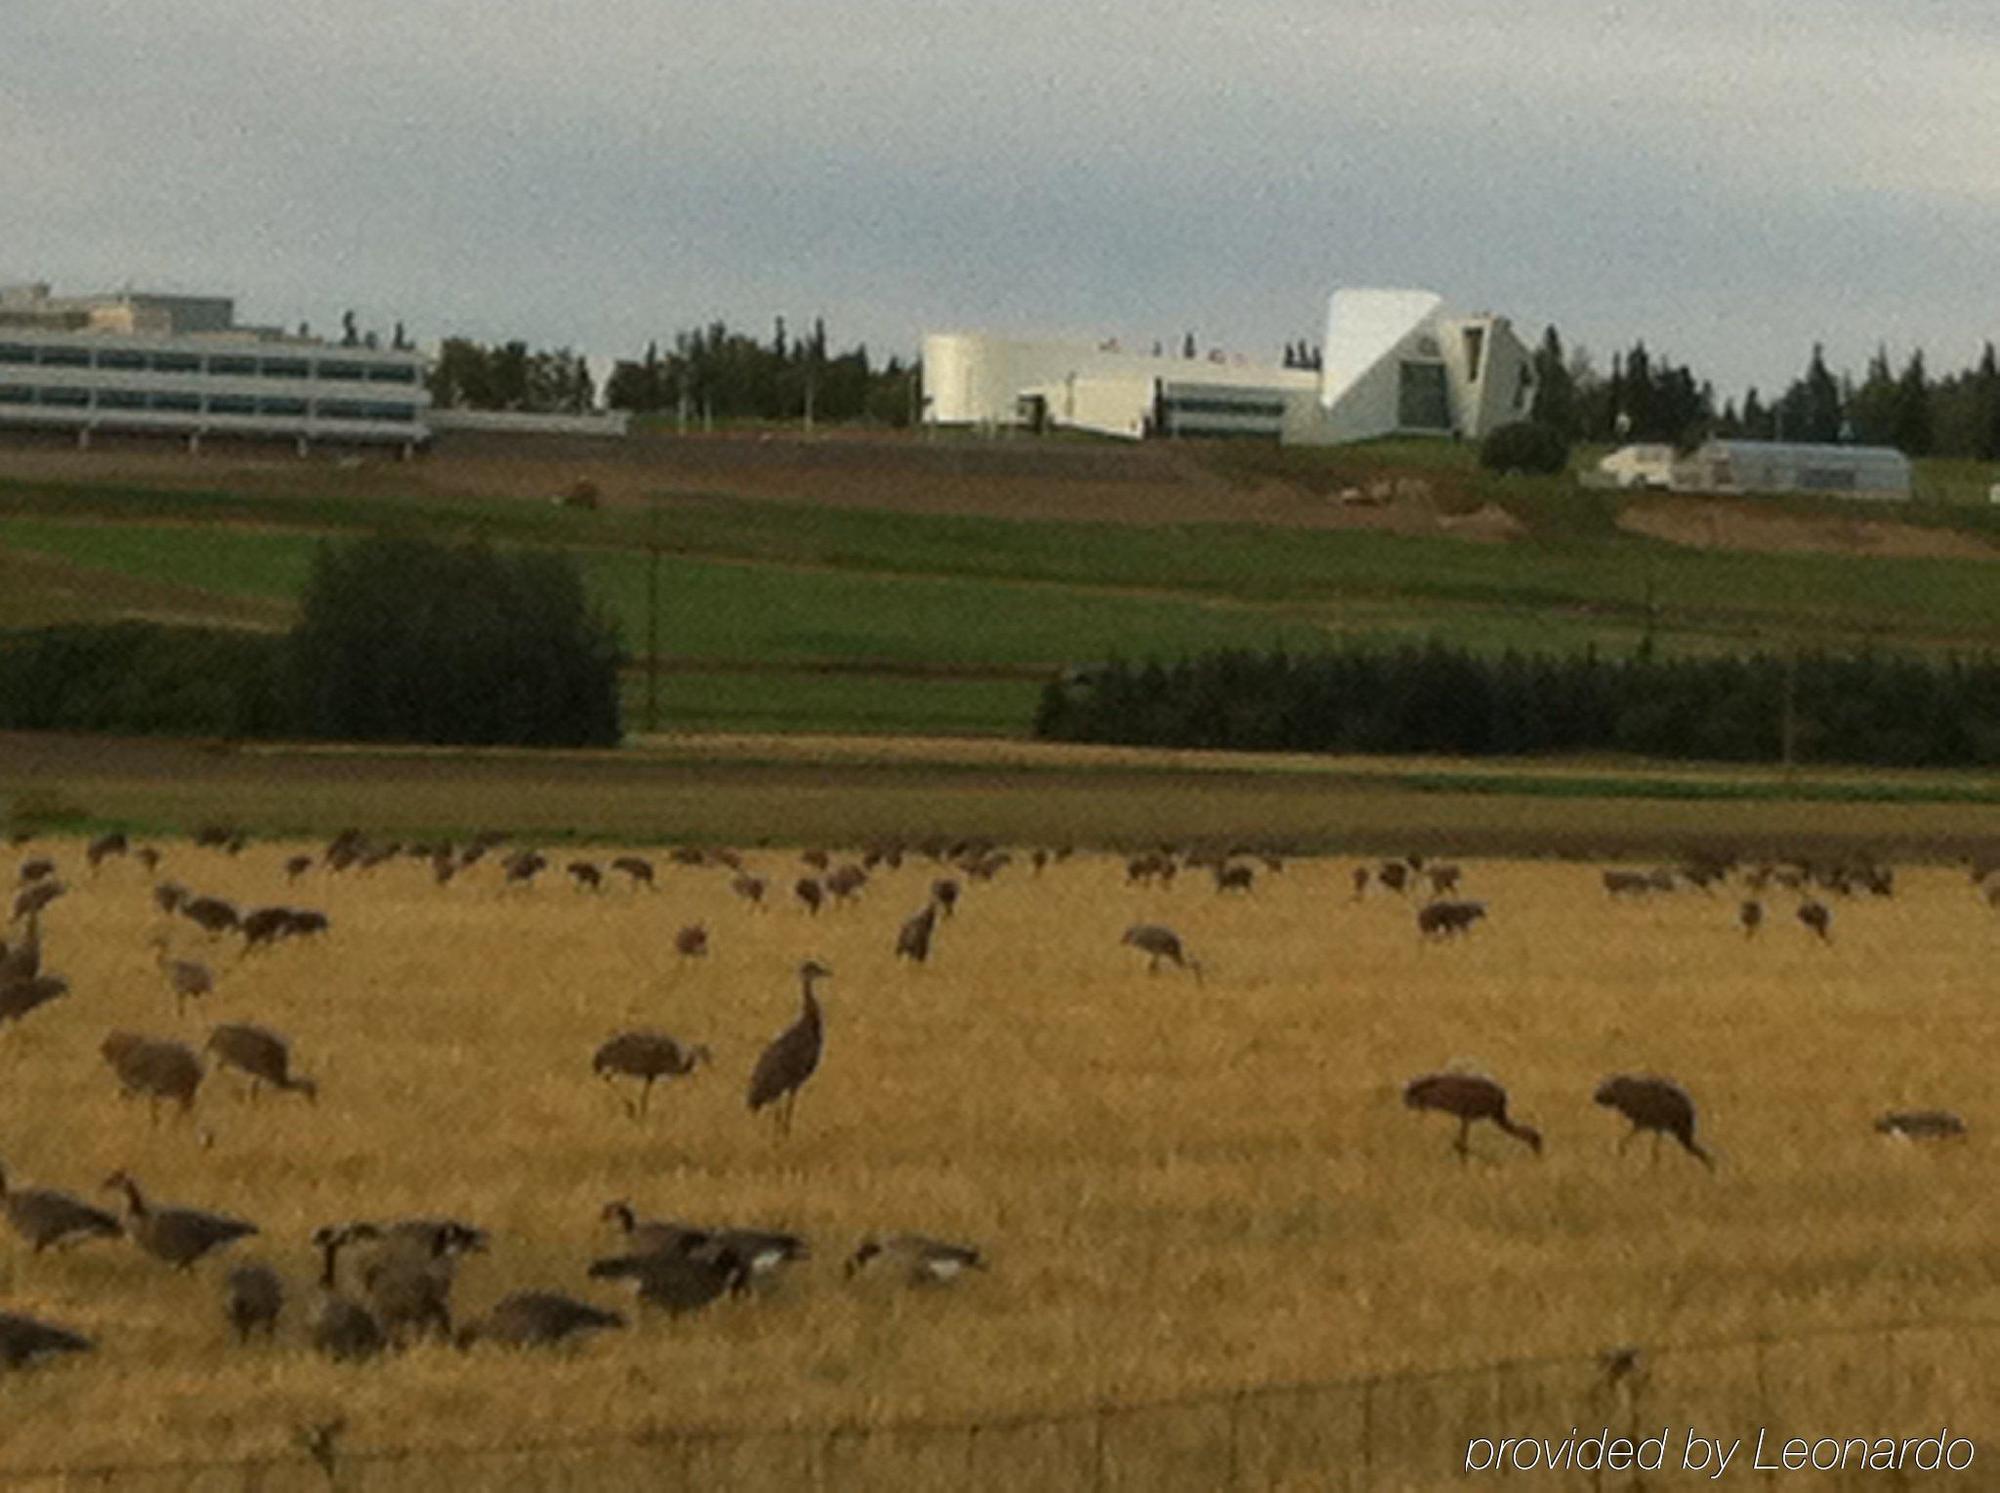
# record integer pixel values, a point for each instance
(397, 1286)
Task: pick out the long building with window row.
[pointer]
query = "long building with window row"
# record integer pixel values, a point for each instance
(221, 380)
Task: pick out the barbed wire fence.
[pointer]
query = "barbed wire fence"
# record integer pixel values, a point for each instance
(1411, 1430)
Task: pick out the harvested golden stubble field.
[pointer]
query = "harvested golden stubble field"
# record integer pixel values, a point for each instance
(1181, 1186)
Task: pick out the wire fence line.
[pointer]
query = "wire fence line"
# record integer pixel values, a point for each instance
(1411, 1430)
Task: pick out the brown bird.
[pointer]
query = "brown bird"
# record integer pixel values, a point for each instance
(537, 1319)
(19, 997)
(43, 1217)
(808, 892)
(1468, 1097)
(343, 1328)
(677, 1282)
(649, 1236)
(793, 1055)
(1818, 917)
(32, 899)
(692, 941)
(913, 939)
(153, 1067)
(23, 1340)
(944, 892)
(187, 979)
(24, 960)
(211, 914)
(1921, 1124)
(1157, 941)
(1750, 917)
(1655, 1104)
(637, 868)
(408, 1279)
(647, 1056)
(261, 1055)
(749, 888)
(252, 1298)
(923, 1261)
(114, 843)
(179, 1236)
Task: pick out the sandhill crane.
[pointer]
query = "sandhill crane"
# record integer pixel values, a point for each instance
(187, 979)
(148, 857)
(104, 846)
(846, 881)
(819, 860)
(1443, 919)
(24, 960)
(523, 866)
(252, 1298)
(1157, 941)
(749, 888)
(1468, 1097)
(647, 1056)
(677, 1282)
(1818, 917)
(297, 866)
(1360, 882)
(1444, 879)
(793, 1055)
(637, 869)
(1655, 1104)
(264, 925)
(211, 914)
(40, 868)
(23, 1340)
(922, 1260)
(692, 941)
(19, 997)
(586, 876)
(1750, 917)
(686, 855)
(170, 897)
(43, 1217)
(1231, 878)
(536, 1319)
(808, 892)
(156, 1068)
(913, 939)
(1393, 874)
(32, 899)
(944, 892)
(304, 922)
(179, 1236)
(261, 1055)
(1921, 1124)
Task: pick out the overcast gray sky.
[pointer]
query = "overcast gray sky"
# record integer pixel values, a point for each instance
(1728, 179)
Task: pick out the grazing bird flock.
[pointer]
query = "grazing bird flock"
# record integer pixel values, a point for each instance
(995, 1095)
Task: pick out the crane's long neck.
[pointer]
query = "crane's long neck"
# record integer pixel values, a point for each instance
(135, 1204)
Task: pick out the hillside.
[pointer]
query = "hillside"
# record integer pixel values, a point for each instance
(881, 585)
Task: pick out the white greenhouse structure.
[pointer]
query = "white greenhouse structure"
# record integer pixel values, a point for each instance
(1721, 466)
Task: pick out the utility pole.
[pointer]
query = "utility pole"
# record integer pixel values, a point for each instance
(652, 615)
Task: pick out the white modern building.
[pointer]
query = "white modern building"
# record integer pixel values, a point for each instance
(180, 366)
(1392, 363)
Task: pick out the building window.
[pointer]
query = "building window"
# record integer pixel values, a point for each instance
(176, 363)
(16, 394)
(65, 398)
(231, 404)
(281, 406)
(332, 370)
(1422, 400)
(232, 366)
(120, 357)
(392, 373)
(187, 404)
(120, 399)
(16, 352)
(65, 357)
(285, 368)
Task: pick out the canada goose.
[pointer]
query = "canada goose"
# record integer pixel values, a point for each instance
(652, 1236)
(925, 1261)
(677, 1283)
(534, 1319)
(179, 1236)
(43, 1217)
(343, 1328)
(23, 1340)
(408, 1279)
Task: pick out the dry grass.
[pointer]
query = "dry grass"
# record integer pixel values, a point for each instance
(1181, 1187)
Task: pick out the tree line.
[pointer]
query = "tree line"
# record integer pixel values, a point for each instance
(508, 376)
(716, 373)
(1766, 707)
(398, 640)
(1648, 397)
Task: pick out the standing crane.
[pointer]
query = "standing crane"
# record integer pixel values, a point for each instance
(1655, 1104)
(793, 1055)
(1468, 1097)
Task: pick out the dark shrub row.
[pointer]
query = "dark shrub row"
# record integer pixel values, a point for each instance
(397, 640)
(1863, 708)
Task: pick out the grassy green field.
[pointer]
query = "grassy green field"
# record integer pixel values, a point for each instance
(797, 586)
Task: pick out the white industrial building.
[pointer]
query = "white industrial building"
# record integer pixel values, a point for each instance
(1392, 364)
(180, 366)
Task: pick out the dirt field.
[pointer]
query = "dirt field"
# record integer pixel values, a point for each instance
(1741, 524)
(1181, 1186)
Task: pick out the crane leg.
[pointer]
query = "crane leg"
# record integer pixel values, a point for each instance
(1622, 1144)
(1462, 1145)
(645, 1092)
